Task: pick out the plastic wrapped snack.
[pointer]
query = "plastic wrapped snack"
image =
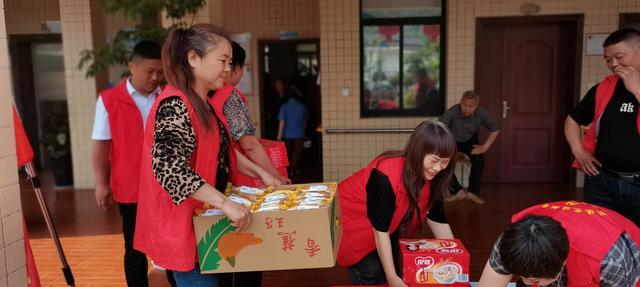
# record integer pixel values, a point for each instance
(250, 193)
(240, 200)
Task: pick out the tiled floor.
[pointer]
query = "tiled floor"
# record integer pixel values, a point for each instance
(93, 244)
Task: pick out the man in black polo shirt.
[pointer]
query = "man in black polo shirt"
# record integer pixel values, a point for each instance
(464, 120)
(610, 151)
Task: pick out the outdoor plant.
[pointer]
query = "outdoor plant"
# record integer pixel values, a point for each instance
(147, 14)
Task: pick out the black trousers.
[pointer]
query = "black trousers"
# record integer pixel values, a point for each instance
(477, 166)
(240, 279)
(135, 262)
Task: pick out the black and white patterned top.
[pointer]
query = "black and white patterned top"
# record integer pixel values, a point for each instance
(173, 148)
(620, 266)
(238, 117)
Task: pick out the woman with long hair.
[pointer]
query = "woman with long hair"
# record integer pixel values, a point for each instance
(187, 155)
(390, 198)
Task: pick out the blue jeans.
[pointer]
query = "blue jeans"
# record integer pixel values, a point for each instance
(607, 191)
(193, 278)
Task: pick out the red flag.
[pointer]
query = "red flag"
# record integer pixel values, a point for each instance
(23, 148)
(33, 279)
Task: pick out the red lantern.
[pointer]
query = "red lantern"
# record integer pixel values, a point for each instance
(388, 32)
(431, 31)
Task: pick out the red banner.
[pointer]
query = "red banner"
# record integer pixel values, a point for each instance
(23, 148)
(33, 279)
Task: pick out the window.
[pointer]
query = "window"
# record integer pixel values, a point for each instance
(402, 66)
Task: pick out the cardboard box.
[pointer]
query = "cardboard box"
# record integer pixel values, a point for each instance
(434, 262)
(275, 240)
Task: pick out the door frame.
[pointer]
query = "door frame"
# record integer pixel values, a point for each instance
(574, 19)
(27, 97)
(261, 64)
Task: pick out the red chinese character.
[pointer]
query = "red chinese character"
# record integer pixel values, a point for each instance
(287, 240)
(268, 222)
(312, 247)
(280, 221)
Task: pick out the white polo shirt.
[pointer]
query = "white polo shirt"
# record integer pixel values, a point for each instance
(101, 130)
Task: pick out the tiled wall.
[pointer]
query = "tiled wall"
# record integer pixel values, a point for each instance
(340, 68)
(344, 154)
(12, 257)
(81, 92)
(27, 16)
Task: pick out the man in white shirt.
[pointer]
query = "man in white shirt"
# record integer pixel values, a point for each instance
(118, 132)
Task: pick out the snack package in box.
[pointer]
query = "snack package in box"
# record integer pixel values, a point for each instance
(434, 262)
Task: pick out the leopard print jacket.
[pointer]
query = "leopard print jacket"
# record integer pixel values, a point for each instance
(173, 147)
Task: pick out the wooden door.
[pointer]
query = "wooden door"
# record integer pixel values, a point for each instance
(526, 77)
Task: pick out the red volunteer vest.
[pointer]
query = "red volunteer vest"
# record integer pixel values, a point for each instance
(604, 93)
(164, 231)
(217, 102)
(127, 132)
(358, 233)
(592, 231)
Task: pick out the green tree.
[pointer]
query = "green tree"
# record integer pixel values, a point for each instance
(145, 12)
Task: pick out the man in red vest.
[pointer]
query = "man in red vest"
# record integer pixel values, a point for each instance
(609, 152)
(566, 243)
(118, 131)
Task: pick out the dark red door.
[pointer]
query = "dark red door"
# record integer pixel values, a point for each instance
(525, 75)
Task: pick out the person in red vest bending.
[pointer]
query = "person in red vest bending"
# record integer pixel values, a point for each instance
(609, 152)
(390, 198)
(118, 130)
(187, 156)
(566, 243)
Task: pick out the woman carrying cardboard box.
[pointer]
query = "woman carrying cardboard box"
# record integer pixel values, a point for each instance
(391, 197)
(187, 159)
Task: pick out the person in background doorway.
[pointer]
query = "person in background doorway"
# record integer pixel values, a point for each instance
(609, 153)
(565, 243)
(465, 119)
(292, 124)
(390, 199)
(118, 129)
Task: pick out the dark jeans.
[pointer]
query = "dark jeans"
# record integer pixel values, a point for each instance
(135, 262)
(477, 166)
(369, 270)
(294, 149)
(240, 279)
(607, 191)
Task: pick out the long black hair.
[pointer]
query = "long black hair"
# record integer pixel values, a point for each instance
(427, 138)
